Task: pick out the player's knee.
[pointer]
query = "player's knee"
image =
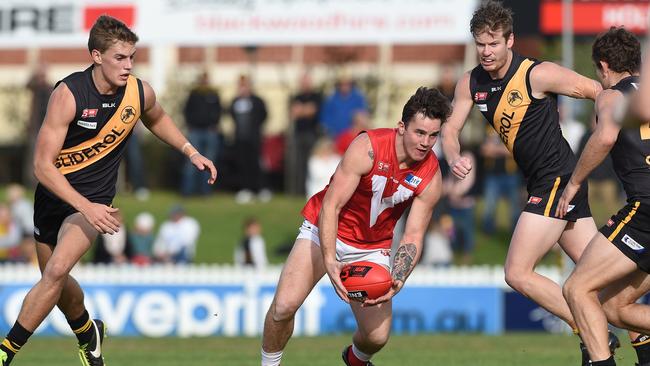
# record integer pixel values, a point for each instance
(55, 273)
(283, 310)
(517, 279)
(375, 340)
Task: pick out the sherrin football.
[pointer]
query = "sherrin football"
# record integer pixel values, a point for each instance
(365, 280)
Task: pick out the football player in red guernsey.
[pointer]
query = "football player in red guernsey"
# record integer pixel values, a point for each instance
(382, 172)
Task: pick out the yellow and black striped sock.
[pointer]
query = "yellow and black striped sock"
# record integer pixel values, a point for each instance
(642, 347)
(82, 327)
(16, 339)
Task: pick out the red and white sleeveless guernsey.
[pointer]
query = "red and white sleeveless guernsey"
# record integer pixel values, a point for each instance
(368, 219)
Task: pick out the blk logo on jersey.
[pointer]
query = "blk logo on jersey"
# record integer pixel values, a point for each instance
(89, 113)
(108, 105)
(480, 96)
(412, 180)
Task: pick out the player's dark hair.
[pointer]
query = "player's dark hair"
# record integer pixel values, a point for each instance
(619, 48)
(108, 30)
(491, 16)
(428, 101)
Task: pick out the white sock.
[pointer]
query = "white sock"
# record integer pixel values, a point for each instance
(360, 355)
(271, 358)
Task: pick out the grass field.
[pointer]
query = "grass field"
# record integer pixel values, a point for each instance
(449, 350)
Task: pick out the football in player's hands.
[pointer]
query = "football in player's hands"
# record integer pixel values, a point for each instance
(365, 280)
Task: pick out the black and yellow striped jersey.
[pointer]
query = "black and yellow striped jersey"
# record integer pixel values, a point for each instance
(529, 127)
(631, 152)
(97, 136)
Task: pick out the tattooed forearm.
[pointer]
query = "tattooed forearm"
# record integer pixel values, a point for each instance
(404, 261)
(372, 155)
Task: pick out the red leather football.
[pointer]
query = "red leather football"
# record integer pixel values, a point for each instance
(365, 280)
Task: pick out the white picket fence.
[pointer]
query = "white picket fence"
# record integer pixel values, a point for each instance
(227, 274)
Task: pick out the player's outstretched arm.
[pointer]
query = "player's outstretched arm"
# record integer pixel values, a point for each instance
(161, 125)
(60, 111)
(357, 161)
(549, 77)
(410, 248)
(596, 149)
(461, 107)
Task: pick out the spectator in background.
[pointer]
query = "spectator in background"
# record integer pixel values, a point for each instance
(135, 164)
(603, 184)
(9, 235)
(461, 204)
(112, 248)
(176, 240)
(339, 108)
(22, 211)
(447, 81)
(501, 179)
(142, 238)
(360, 122)
(572, 129)
(322, 164)
(437, 246)
(202, 113)
(249, 114)
(40, 89)
(303, 112)
(252, 249)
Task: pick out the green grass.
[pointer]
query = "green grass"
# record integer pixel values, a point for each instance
(451, 350)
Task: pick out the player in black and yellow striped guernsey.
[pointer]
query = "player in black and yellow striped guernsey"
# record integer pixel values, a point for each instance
(518, 98)
(620, 269)
(89, 119)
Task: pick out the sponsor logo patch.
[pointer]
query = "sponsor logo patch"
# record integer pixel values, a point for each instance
(482, 107)
(480, 96)
(88, 125)
(627, 240)
(385, 252)
(570, 208)
(89, 113)
(535, 200)
(413, 180)
(610, 222)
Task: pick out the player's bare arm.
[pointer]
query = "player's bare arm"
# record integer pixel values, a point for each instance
(461, 107)
(599, 145)
(410, 249)
(60, 111)
(549, 77)
(161, 125)
(357, 161)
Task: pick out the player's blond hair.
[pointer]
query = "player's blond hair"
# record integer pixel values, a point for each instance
(491, 17)
(108, 30)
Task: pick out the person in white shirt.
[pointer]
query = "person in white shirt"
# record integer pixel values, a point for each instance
(252, 249)
(321, 165)
(176, 240)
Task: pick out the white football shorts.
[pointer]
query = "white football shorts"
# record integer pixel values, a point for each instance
(344, 252)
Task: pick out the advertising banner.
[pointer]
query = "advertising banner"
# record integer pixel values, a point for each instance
(189, 310)
(65, 23)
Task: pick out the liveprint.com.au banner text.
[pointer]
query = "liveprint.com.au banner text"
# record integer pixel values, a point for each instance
(238, 310)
